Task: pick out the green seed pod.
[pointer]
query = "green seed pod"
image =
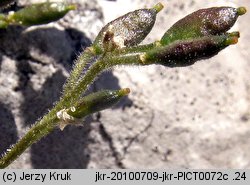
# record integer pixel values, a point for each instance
(96, 102)
(3, 23)
(4, 3)
(41, 13)
(204, 22)
(187, 52)
(127, 30)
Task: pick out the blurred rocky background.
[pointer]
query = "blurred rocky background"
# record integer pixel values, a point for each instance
(192, 117)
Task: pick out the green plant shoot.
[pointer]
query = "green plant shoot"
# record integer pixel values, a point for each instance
(197, 36)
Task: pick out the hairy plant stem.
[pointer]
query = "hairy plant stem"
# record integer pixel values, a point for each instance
(73, 90)
(78, 68)
(70, 97)
(77, 85)
(37, 131)
(50, 120)
(196, 36)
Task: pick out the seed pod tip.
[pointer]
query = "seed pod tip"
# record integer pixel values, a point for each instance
(235, 34)
(125, 91)
(158, 7)
(72, 7)
(231, 40)
(241, 10)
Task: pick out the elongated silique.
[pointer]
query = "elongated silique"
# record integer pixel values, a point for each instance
(187, 52)
(96, 102)
(41, 13)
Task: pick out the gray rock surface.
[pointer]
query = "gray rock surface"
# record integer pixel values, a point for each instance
(193, 117)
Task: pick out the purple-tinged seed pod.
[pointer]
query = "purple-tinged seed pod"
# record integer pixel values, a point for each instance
(127, 30)
(187, 52)
(204, 22)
